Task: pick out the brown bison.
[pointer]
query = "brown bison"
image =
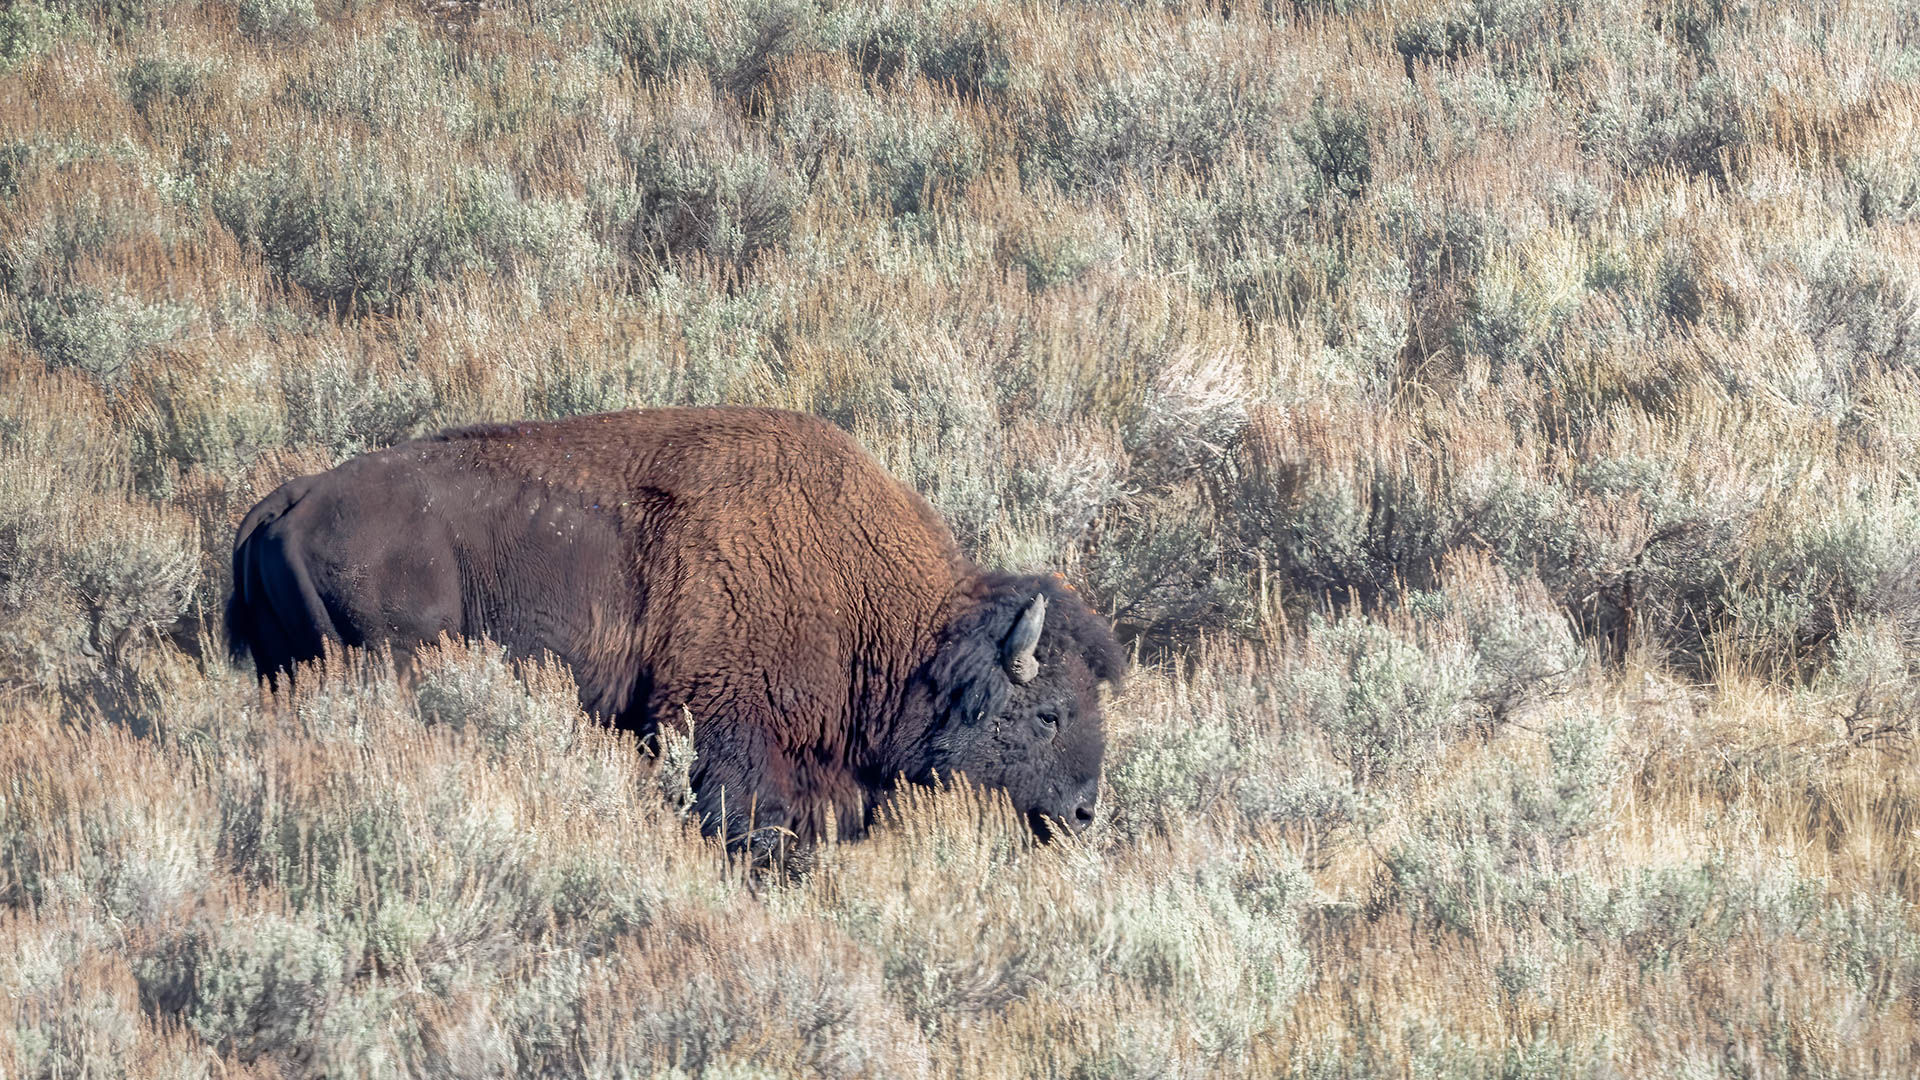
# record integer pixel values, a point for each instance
(756, 567)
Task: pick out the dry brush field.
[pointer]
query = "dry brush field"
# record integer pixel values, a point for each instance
(1492, 423)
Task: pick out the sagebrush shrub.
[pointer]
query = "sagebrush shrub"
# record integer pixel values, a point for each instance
(1387, 706)
(1166, 570)
(68, 1009)
(1859, 560)
(106, 336)
(362, 234)
(1864, 311)
(27, 30)
(1246, 234)
(278, 20)
(914, 156)
(695, 196)
(397, 82)
(1882, 169)
(1524, 647)
(255, 985)
(1184, 765)
(352, 404)
(1657, 117)
(82, 593)
(1869, 683)
(1496, 850)
(965, 52)
(221, 419)
(1336, 142)
(475, 689)
(160, 82)
(658, 41)
(1871, 941)
(1179, 115)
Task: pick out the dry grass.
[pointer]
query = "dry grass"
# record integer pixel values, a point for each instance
(1492, 421)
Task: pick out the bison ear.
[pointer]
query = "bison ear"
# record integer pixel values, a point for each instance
(1017, 651)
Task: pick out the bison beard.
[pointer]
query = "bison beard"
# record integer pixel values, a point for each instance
(756, 567)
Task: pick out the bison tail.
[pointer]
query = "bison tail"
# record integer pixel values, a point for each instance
(274, 614)
(238, 646)
(247, 591)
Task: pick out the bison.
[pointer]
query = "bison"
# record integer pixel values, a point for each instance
(753, 566)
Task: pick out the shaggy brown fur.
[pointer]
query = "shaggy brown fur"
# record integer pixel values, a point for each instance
(754, 566)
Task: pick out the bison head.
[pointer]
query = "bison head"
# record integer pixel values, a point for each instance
(1016, 685)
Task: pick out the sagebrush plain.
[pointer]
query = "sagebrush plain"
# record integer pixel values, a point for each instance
(1493, 424)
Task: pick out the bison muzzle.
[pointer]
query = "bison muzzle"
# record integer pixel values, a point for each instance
(752, 566)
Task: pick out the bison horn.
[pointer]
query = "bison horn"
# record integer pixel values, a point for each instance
(1021, 664)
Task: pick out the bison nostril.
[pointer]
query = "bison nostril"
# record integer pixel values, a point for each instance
(1082, 816)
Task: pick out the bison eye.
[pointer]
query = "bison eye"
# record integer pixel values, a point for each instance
(1049, 721)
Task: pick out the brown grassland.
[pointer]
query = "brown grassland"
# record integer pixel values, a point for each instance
(1493, 423)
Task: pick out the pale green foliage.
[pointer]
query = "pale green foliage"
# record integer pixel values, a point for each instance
(1064, 481)
(254, 985)
(485, 698)
(26, 30)
(1181, 113)
(1215, 939)
(1872, 940)
(1523, 646)
(1860, 559)
(734, 45)
(367, 234)
(67, 1019)
(1871, 682)
(1888, 175)
(696, 196)
(1387, 705)
(1188, 763)
(103, 336)
(219, 419)
(396, 83)
(1496, 852)
(1223, 942)
(158, 82)
(343, 403)
(658, 40)
(78, 589)
(277, 20)
(102, 327)
(951, 45)
(915, 152)
(1390, 695)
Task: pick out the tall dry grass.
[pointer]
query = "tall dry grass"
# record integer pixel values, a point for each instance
(1491, 422)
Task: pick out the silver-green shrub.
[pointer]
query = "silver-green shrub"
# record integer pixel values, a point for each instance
(359, 233)
(1499, 851)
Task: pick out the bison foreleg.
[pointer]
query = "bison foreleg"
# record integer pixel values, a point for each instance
(740, 792)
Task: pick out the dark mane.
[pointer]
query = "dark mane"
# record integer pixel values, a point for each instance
(965, 674)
